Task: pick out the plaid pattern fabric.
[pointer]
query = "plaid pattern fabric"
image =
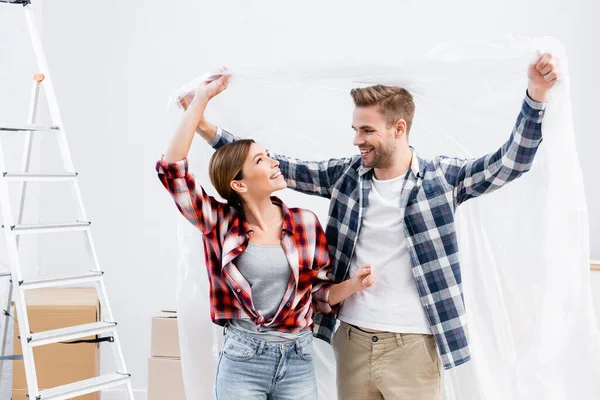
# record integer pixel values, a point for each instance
(431, 192)
(226, 235)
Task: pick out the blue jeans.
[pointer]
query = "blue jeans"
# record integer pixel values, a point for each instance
(252, 369)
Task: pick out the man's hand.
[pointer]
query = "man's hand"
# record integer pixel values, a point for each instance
(542, 77)
(364, 278)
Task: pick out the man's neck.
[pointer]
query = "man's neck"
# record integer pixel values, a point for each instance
(400, 165)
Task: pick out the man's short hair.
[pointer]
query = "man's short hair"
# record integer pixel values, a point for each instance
(393, 102)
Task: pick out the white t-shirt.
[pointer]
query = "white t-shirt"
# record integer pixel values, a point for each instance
(393, 304)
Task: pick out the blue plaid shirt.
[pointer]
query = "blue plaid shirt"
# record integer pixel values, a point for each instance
(432, 191)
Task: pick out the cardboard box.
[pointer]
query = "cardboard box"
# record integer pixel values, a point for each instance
(165, 335)
(59, 364)
(165, 379)
(21, 394)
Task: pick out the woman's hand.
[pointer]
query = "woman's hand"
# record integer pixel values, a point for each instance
(208, 89)
(193, 118)
(364, 278)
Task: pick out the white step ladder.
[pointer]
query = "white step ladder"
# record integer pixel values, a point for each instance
(14, 229)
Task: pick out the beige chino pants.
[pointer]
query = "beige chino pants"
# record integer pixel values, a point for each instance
(390, 366)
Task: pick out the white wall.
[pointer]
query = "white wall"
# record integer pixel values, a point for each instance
(115, 63)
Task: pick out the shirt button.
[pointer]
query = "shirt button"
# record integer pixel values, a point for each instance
(288, 304)
(541, 113)
(375, 339)
(238, 290)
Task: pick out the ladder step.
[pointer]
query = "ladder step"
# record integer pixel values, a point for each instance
(3, 274)
(71, 333)
(50, 228)
(84, 387)
(22, 2)
(94, 276)
(11, 126)
(40, 177)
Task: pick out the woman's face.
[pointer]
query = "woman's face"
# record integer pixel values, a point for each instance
(261, 175)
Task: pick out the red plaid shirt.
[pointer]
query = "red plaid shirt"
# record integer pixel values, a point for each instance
(226, 235)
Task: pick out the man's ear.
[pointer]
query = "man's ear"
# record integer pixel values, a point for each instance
(238, 186)
(399, 128)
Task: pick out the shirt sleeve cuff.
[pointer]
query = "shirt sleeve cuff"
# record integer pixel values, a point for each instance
(172, 170)
(216, 139)
(323, 306)
(532, 110)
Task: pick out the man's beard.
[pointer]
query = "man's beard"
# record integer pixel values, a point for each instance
(382, 158)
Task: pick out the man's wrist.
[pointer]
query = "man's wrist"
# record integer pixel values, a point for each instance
(537, 94)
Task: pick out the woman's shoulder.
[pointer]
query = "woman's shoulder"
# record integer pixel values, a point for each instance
(297, 215)
(304, 216)
(306, 212)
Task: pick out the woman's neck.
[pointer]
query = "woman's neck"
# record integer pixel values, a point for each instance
(262, 213)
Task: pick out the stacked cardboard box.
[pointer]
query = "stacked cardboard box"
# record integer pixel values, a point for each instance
(59, 364)
(165, 379)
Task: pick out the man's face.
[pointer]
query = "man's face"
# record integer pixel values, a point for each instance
(373, 137)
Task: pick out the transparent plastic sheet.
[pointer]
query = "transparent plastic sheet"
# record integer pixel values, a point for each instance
(524, 249)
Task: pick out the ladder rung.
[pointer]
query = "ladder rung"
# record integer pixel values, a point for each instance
(63, 281)
(70, 333)
(49, 228)
(22, 2)
(11, 126)
(84, 387)
(40, 177)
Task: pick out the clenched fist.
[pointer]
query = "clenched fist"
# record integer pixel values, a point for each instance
(542, 75)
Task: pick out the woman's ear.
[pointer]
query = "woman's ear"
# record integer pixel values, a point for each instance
(238, 186)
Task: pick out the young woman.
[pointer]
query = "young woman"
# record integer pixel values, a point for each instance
(267, 264)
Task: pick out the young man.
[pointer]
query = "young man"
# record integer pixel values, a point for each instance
(395, 210)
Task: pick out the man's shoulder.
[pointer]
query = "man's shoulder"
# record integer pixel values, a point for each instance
(352, 166)
(353, 162)
(438, 164)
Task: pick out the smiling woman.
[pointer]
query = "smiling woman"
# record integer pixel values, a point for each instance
(244, 171)
(268, 265)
